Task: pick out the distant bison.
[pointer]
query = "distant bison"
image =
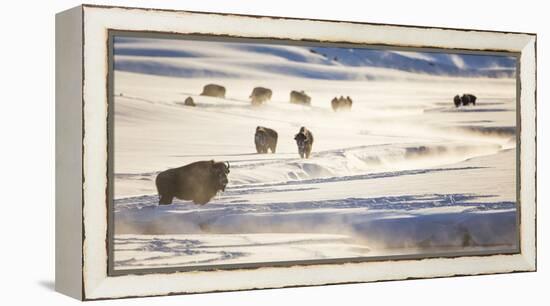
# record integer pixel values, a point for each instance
(265, 138)
(189, 102)
(466, 99)
(304, 140)
(341, 103)
(299, 97)
(198, 182)
(260, 95)
(213, 90)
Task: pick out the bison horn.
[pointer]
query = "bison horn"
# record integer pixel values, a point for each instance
(227, 165)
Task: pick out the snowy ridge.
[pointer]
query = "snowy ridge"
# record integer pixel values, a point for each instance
(354, 161)
(182, 58)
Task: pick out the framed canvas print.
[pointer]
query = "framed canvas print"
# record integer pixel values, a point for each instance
(201, 152)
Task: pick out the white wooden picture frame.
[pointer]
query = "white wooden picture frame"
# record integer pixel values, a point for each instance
(83, 138)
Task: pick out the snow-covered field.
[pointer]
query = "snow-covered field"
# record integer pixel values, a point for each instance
(404, 172)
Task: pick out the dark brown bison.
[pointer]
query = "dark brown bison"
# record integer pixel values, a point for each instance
(213, 90)
(260, 95)
(189, 102)
(265, 138)
(466, 99)
(304, 140)
(341, 103)
(198, 182)
(299, 97)
(457, 101)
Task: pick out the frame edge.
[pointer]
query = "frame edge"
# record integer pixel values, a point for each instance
(68, 155)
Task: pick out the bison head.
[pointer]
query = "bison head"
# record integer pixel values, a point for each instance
(219, 172)
(260, 137)
(457, 100)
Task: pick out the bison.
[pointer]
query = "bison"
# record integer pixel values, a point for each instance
(304, 140)
(213, 90)
(341, 103)
(457, 101)
(299, 97)
(468, 99)
(198, 182)
(260, 95)
(189, 102)
(265, 138)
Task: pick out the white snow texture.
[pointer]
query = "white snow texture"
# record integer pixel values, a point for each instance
(403, 172)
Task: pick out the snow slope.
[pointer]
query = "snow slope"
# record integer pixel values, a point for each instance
(202, 58)
(404, 172)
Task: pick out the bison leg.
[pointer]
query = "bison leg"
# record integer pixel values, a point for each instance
(165, 199)
(165, 187)
(273, 148)
(308, 152)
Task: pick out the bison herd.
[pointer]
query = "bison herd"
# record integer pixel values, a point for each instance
(341, 103)
(265, 140)
(261, 95)
(200, 181)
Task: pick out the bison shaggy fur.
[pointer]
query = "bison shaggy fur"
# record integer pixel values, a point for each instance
(213, 90)
(260, 95)
(198, 182)
(468, 99)
(265, 139)
(304, 140)
(299, 97)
